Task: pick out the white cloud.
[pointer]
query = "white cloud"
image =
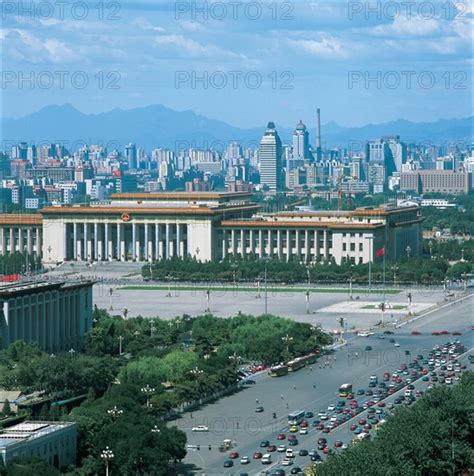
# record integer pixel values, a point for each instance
(407, 26)
(326, 46)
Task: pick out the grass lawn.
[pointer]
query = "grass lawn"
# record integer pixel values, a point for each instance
(200, 287)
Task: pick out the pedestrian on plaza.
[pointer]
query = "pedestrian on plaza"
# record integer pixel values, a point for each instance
(294, 387)
(282, 397)
(287, 405)
(256, 401)
(311, 369)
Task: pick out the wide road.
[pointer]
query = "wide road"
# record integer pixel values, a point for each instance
(234, 417)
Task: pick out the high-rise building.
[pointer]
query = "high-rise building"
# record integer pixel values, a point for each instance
(270, 152)
(301, 142)
(131, 156)
(398, 151)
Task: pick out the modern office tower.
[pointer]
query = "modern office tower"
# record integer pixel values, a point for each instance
(131, 156)
(270, 153)
(32, 154)
(319, 152)
(20, 151)
(377, 177)
(398, 152)
(234, 151)
(301, 142)
(357, 168)
(4, 166)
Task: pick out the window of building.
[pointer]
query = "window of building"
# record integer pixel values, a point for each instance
(353, 247)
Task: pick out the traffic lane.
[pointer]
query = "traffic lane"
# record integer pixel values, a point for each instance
(342, 432)
(350, 369)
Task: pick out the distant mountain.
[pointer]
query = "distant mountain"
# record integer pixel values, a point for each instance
(157, 126)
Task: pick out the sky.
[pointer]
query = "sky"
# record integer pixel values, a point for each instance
(244, 62)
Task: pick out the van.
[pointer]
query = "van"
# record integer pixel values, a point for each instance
(267, 458)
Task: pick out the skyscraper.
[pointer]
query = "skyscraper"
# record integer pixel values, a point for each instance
(131, 156)
(300, 142)
(269, 153)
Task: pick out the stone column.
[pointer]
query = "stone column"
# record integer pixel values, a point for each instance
(12, 240)
(279, 251)
(325, 245)
(29, 241)
(270, 243)
(167, 243)
(288, 245)
(178, 240)
(134, 241)
(224, 244)
(307, 246)
(65, 242)
(3, 238)
(74, 241)
(157, 242)
(20, 239)
(252, 240)
(96, 251)
(39, 246)
(242, 243)
(232, 242)
(298, 244)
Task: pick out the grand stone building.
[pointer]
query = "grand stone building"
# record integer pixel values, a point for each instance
(53, 315)
(212, 226)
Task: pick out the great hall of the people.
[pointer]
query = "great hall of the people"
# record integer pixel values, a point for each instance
(208, 226)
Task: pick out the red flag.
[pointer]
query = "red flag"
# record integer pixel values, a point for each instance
(380, 252)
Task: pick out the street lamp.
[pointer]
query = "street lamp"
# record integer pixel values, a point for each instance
(408, 251)
(71, 352)
(351, 296)
(287, 340)
(462, 255)
(430, 246)
(265, 276)
(208, 300)
(120, 339)
(169, 285)
(115, 412)
(307, 301)
(196, 371)
(107, 455)
(148, 392)
(394, 269)
(236, 358)
(111, 292)
(155, 430)
(234, 267)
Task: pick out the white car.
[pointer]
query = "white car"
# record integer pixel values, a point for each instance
(287, 462)
(289, 453)
(323, 416)
(363, 334)
(397, 344)
(448, 381)
(281, 448)
(244, 460)
(200, 428)
(331, 408)
(303, 431)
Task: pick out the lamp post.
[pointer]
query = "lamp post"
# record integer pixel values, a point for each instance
(351, 295)
(120, 339)
(155, 430)
(408, 251)
(107, 455)
(394, 269)
(234, 267)
(111, 292)
(148, 392)
(307, 301)
(115, 412)
(287, 340)
(462, 255)
(71, 352)
(208, 300)
(265, 260)
(169, 285)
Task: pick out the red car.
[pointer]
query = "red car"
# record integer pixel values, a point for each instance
(233, 455)
(271, 448)
(326, 450)
(304, 424)
(337, 444)
(257, 455)
(322, 441)
(350, 396)
(367, 427)
(381, 404)
(362, 421)
(436, 333)
(386, 376)
(319, 427)
(415, 333)
(281, 436)
(326, 429)
(353, 427)
(444, 333)
(291, 437)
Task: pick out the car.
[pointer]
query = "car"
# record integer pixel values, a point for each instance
(381, 404)
(259, 409)
(271, 448)
(233, 455)
(326, 429)
(200, 428)
(291, 437)
(323, 415)
(396, 344)
(316, 422)
(244, 460)
(257, 455)
(457, 333)
(264, 443)
(322, 441)
(362, 421)
(392, 341)
(293, 442)
(309, 415)
(353, 427)
(360, 391)
(337, 443)
(303, 452)
(281, 436)
(368, 348)
(296, 470)
(294, 429)
(327, 450)
(358, 430)
(228, 464)
(381, 336)
(319, 427)
(331, 408)
(281, 448)
(249, 382)
(304, 424)
(303, 431)
(287, 462)
(436, 333)
(289, 453)
(388, 332)
(279, 472)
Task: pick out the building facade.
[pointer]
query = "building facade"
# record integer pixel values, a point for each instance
(270, 156)
(211, 226)
(54, 442)
(21, 232)
(53, 315)
(437, 181)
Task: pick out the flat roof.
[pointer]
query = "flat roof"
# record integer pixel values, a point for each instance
(9, 290)
(180, 195)
(30, 430)
(21, 219)
(299, 224)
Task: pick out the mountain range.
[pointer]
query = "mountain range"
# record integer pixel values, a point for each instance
(157, 126)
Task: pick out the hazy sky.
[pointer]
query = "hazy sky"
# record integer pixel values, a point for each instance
(245, 62)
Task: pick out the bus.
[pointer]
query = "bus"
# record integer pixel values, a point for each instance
(345, 389)
(278, 371)
(360, 437)
(294, 365)
(295, 418)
